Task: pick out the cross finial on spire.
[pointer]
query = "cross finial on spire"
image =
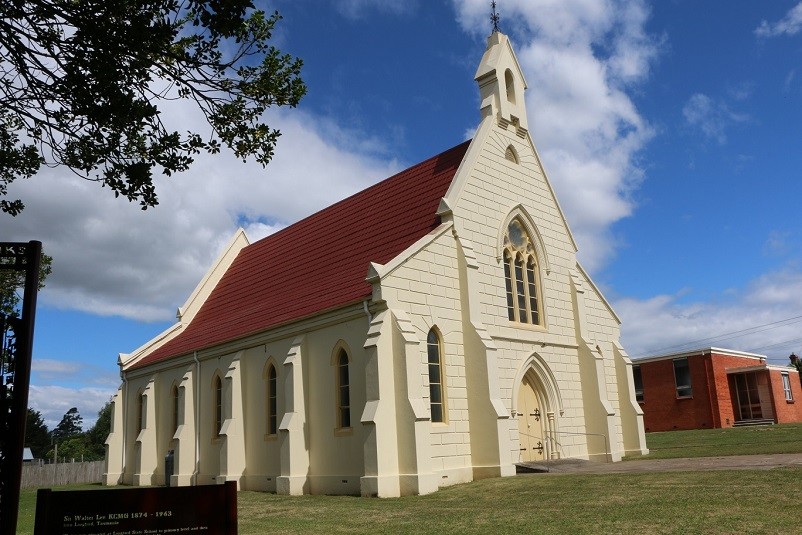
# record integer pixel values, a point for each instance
(494, 18)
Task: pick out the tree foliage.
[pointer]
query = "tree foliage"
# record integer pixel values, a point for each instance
(796, 362)
(12, 281)
(71, 425)
(73, 443)
(82, 82)
(97, 435)
(37, 436)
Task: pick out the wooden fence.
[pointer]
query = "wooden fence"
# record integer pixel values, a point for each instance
(51, 475)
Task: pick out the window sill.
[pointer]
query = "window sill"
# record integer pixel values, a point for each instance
(685, 397)
(343, 431)
(271, 437)
(527, 326)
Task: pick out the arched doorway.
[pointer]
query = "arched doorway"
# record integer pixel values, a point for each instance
(531, 414)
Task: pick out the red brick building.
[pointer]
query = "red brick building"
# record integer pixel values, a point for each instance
(713, 388)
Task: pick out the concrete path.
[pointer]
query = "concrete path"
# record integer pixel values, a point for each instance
(735, 462)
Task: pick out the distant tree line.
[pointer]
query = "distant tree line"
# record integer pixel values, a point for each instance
(73, 442)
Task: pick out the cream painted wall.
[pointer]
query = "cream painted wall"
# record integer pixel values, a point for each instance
(451, 280)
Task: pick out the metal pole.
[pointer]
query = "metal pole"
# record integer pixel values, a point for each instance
(27, 257)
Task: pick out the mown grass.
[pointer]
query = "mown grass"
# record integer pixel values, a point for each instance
(738, 501)
(673, 502)
(742, 501)
(760, 440)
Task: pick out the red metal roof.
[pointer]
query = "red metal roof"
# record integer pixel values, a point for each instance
(319, 263)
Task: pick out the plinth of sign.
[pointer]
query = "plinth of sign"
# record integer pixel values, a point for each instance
(204, 509)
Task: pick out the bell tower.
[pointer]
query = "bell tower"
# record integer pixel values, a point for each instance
(502, 84)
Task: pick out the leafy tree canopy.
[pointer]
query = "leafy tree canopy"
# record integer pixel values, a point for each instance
(11, 282)
(96, 437)
(81, 82)
(75, 448)
(37, 437)
(71, 425)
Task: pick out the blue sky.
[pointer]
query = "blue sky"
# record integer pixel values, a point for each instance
(671, 131)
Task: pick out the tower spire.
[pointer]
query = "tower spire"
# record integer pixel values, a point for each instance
(494, 17)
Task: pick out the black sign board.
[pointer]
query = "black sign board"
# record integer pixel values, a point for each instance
(205, 509)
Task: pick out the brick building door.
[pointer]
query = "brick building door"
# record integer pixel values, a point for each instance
(530, 423)
(751, 396)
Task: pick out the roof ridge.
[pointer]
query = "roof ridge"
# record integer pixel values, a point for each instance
(364, 191)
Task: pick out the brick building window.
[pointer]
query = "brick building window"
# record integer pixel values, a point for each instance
(636, 377)
(787, 387)
(521, 276)
(682, 378)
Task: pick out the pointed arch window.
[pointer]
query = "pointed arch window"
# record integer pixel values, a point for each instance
(174, 405)
(140, 414)
(436, 393)
(521, 276)
(511, 154)
(343, 391)
(509, 82)
(218, 406)
(272, 383)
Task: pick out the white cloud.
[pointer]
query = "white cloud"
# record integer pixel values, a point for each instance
(580, 59)
(111, 258)
(713, 118)
(789, 79)
(791, 24)
(54, 401)
(777, 243)
(764, 318)
(54, 366)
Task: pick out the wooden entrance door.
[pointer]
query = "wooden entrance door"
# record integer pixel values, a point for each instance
(530, 423)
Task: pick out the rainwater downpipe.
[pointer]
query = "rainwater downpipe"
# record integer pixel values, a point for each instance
(714, 415)
(367, 312)
(196, 387)
(124, 408)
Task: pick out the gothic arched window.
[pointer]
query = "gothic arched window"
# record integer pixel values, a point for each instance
(174, 402)
(436, 393)
(343, 391)
(509, 81)
(218, 405)
(272, 415)
(521, 276)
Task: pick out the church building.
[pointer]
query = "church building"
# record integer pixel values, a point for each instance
(433, 329)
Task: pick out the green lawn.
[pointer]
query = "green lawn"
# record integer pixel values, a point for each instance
(785, 438)
(737, 501)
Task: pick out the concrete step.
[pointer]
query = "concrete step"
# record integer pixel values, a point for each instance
(755, 421)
